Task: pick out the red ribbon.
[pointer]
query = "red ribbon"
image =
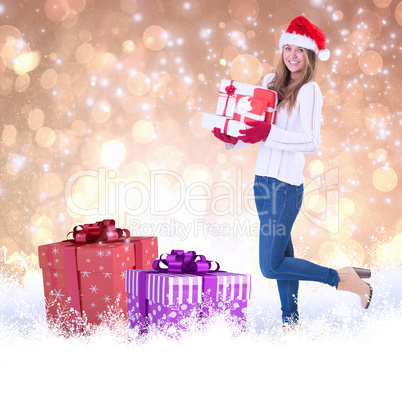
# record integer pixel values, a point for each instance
(229, 93)
(225, 127)
(71, 283)
(102, 231)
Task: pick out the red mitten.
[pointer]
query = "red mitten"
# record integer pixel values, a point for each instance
(259, 131)
(224, 137)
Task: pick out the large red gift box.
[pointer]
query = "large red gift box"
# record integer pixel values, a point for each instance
(83, 281)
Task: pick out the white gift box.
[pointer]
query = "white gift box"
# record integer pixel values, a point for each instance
(227, 125)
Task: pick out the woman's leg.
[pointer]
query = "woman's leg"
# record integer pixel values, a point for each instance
(278, 204)
(288, 293)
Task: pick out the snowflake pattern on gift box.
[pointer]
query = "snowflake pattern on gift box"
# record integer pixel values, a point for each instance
(62, 319)
(182, 317)
(93, 289)
(65, 321)
(106, 278)
(57, 295)
(101, 278)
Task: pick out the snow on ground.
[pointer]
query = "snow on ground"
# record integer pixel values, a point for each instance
(342, 352)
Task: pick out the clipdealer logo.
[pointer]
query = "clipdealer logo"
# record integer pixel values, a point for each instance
(165, 204)
(165, 194)
(203, 228)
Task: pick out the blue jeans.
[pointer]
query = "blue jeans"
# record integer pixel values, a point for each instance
(278, 204)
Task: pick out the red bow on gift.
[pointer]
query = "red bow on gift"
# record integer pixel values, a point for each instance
(102, 231)
(230, 89)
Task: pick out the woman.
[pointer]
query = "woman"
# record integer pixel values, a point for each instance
(278, 186)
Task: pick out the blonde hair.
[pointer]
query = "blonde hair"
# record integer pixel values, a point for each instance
(287, 91)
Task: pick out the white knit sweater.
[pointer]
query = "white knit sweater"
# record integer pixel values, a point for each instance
(282, 155)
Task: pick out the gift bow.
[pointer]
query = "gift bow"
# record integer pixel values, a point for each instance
(180, 262)
(102, 231)
(244, 105)
(230, 89)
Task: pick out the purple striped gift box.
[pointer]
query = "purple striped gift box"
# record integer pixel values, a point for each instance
(159, 298)
(166, 288)
(231, 286)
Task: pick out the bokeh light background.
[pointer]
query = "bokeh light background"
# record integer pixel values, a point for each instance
(101, 105)
(100, 111)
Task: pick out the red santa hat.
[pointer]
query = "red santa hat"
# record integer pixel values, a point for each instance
(301, 32)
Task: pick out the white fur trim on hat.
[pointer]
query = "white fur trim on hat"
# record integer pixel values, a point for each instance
(324, 54)
(297, 40)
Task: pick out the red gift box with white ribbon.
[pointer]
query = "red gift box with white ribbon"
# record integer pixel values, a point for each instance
(248, 109)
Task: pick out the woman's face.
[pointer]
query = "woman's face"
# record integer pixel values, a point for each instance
(294, 59)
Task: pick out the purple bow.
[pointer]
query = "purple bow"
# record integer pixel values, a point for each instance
(179, 262)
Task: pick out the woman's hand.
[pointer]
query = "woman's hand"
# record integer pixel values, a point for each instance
(259, 131)
(224, 137)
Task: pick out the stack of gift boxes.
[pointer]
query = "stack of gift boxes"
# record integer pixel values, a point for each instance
(240, 103)
(101, 267)
(83, 279)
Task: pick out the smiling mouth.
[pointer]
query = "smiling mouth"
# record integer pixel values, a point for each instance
(293, 62)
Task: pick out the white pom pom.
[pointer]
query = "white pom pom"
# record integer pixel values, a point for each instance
(324, 54)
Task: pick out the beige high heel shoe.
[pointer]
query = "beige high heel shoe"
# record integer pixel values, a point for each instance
(350, 281)
(293, 327)
(363, 272)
